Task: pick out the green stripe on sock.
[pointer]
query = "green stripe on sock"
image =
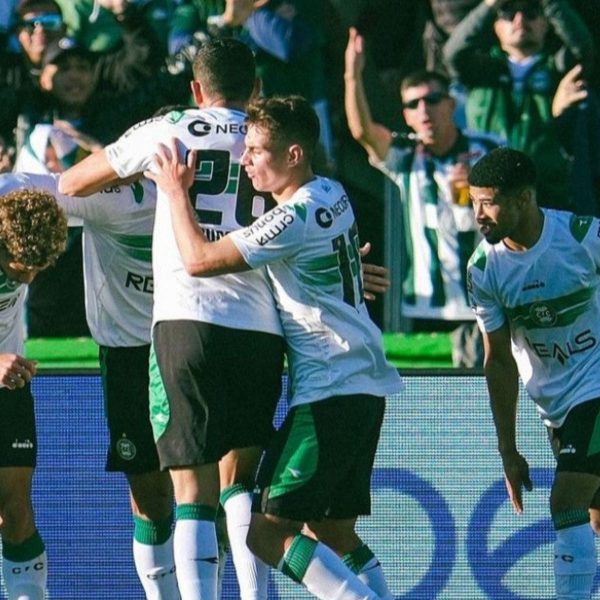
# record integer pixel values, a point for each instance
(195, 512)
(358, 558)
(24, 551)
(298, 557)
(231, 491)
(570, 518)
(152, 533)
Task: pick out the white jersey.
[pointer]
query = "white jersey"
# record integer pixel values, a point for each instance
(224, 201)
(117, 255)
(310, 245)
(549, 295)
(12, 301)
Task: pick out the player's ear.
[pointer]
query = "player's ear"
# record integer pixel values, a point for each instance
(295, 155)
(197, 92)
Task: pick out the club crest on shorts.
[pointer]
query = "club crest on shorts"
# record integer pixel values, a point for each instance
(126, 449)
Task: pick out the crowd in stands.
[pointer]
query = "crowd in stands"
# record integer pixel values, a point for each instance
(75, 74)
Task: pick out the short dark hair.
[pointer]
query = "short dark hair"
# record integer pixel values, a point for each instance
(287, 119)
(504, 169)
(28, 6)
(423, 77)
(226, 69)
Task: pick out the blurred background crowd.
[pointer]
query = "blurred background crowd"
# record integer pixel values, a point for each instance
(409, 92)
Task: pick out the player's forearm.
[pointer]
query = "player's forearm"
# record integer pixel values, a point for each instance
(502, 383)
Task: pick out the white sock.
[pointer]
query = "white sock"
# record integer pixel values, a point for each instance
(323, 572)
(574, 562)
(367, 568)
(196, 552)
(153, 557)
(25, 569)
(252, 573)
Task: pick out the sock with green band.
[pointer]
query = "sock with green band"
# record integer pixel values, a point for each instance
(322, 572)
(153, 557)
(196, 552)
(252, 573)
(25, 569)
(367, 568)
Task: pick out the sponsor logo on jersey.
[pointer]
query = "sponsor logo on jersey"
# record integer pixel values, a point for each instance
(542, 314)
(8, 303)
(534, 285)
(115, 189)
(126, 448)
(199, 128)
(140, 125)
(229, 128)
(141, 283)
(581, 342)
(324, 216)
(269, 226)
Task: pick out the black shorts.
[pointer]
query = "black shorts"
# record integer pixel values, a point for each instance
(319, 463)
(576, 443)
(212, 389)
(125, 384)
(18, 439)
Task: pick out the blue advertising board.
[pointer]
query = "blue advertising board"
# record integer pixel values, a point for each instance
(441, 526)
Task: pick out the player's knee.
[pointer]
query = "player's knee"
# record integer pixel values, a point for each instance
(17, 519)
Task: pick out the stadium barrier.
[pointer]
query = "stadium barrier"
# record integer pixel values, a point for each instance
(441, 525)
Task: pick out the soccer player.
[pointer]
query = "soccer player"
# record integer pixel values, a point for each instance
(33, 233)
(217, 345)
(314, 480)
(117, 232)
(533, 283)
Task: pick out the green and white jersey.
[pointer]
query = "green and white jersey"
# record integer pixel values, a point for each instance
(438, 234)
(117, 255)
(12, 301)
(549, 296)
(224, 201)
(310, 245)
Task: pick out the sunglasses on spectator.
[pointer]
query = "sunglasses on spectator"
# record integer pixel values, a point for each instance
(529, 11)
(48, 22)
(430, 99)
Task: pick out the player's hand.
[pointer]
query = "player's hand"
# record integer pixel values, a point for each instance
(117, 7)
(375, 277)
(16, 371)
(516, 477)
(172, 175)
(354, 57)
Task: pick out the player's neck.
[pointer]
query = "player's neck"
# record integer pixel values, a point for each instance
(292, 185)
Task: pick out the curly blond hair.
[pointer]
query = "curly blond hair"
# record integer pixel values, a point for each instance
(33, 228)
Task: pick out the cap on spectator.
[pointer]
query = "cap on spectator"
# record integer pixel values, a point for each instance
(63, 47)
(30, 6)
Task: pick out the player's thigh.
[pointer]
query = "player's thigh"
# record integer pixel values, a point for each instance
(125, 383)
(18, 437)
(151, 494)
(577, 449)
(252, 366)
(187, 406)
(319, 463)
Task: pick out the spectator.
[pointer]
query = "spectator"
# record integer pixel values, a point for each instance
(39, 24)
(430, 168)
(444, 16)
(512, 85)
